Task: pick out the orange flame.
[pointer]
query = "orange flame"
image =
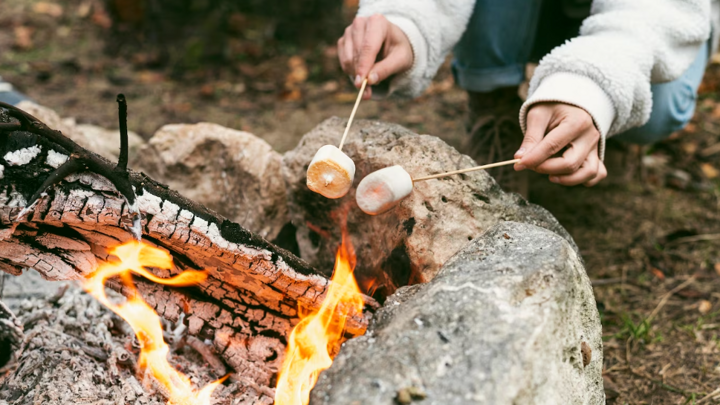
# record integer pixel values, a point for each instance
(133, 258)
(315, 339)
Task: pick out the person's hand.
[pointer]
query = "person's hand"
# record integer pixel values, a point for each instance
(556, 127)
(374, 48)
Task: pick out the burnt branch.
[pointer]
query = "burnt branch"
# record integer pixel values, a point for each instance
(122, 118)
(247, 306)
(82, 160)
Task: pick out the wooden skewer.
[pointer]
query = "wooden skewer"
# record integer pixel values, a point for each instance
(352, 114)
(471, 169)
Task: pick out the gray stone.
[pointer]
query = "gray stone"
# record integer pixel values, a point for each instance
(231, 172)
(509, 320)
(409, 243)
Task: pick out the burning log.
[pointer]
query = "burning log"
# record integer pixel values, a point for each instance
(63, 208)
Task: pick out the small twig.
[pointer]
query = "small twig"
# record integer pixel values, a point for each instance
(260, 389)
(708, 396)
(606, 281)
(70, 167)
(696, 238)
(59, 294)
(667, 296)
(122, 118)
(471, 169)
(352, 114)
(206, 352)
(662, 385)
(709, 151)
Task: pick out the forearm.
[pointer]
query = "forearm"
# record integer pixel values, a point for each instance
(623, 48)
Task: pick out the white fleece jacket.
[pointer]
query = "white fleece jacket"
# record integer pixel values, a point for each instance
(623, 47)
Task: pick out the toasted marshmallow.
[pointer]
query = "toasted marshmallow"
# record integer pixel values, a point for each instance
(381, 190)
(331, 172)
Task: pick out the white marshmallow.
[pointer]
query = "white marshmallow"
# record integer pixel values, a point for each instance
(381, 190)
(331, 172)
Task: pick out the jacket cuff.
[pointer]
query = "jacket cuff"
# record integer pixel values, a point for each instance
(579, 91)
(410, 82)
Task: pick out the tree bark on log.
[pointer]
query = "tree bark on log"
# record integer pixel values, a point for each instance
(246, 307)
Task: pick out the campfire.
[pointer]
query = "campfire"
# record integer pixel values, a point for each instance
(312, 343)
(315, 340)
(247, 321)
(133, 258)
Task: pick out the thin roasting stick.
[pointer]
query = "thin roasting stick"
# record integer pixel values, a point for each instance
(471, 169)
(352, 114)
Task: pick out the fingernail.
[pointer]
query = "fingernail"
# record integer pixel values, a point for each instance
(358, 81)
(520, 167)
(520, 153)
(555, 179)
(373, 78)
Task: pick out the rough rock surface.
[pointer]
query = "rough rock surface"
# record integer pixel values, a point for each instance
(412, 241)
(105, 142)
(509, 320)
(232, 172)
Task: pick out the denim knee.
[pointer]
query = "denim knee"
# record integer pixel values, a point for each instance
(673, 108)
(673, 104)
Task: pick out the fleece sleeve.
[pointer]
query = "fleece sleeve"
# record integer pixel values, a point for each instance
(433, 28)
(623, 47)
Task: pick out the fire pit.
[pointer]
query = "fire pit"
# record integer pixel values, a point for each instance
(239, 317)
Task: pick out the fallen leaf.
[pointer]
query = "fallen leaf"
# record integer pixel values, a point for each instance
(709, 171)
(148, 77)
(100, 16)
(704, 306)
(291, 95)
(717, 268)
(83, 9)
(690, 293)
(23, 37)
(331, 86)
(129, 11)
(51, 9)
(690, 147)
(690, 128)
(345, 97)
(657, 273)
(298, 72)
(207, 91)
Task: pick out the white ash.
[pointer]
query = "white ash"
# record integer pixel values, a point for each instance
(22, 156)
(55, 159)
(16, 199)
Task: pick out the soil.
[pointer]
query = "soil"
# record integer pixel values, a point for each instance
(649, 234)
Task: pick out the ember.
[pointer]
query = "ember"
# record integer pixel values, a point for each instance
(133, 258)
(316, 339)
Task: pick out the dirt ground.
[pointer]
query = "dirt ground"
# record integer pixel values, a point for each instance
(649, 234)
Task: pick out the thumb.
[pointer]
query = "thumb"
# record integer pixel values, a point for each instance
(537, 120)
(395, 62)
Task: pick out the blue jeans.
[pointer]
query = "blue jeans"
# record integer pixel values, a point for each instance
(502, 37)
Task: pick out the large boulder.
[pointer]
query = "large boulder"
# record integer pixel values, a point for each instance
(232, 172)
(411, 242)
(509, 320)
